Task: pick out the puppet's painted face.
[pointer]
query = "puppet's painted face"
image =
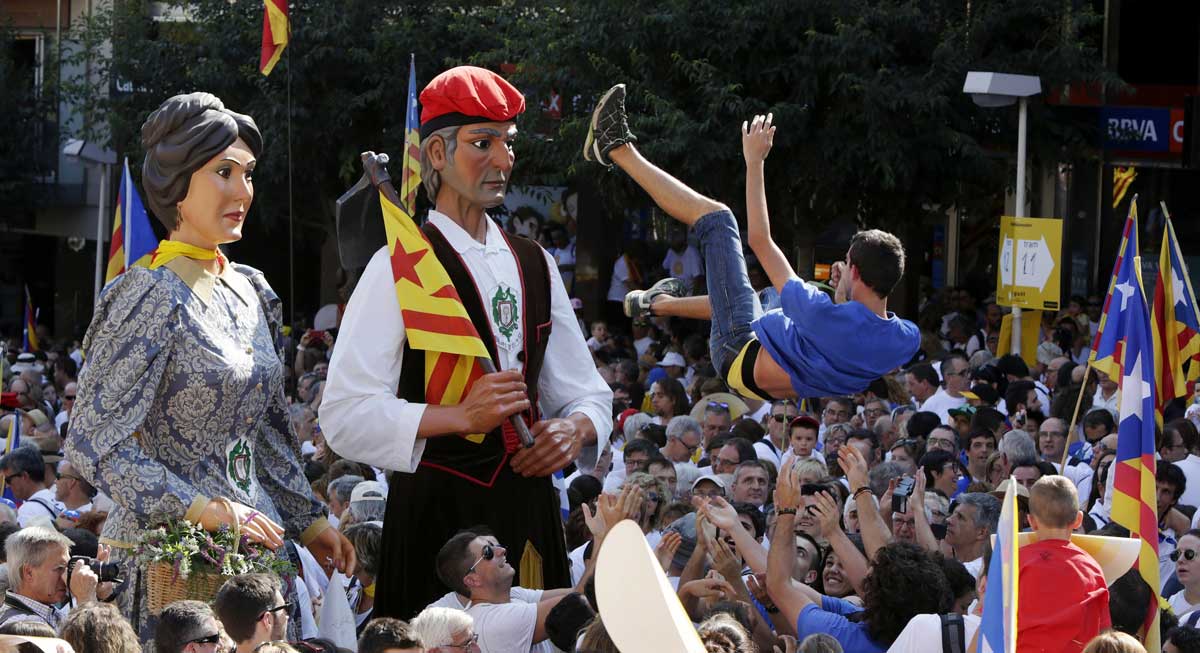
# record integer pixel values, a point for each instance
(482, 165)
(219, 196)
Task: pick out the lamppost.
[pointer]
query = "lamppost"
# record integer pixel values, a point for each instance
(92, 154)
(990, 90)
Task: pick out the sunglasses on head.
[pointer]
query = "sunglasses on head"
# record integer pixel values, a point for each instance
(1188, 554)
(489, 553)
(718, 404)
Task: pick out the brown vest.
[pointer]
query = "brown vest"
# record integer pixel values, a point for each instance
(481, 463)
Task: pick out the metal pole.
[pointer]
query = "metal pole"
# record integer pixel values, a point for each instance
(100, 230)
(1019, 212)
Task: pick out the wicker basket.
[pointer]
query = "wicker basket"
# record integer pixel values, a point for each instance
(164, 586)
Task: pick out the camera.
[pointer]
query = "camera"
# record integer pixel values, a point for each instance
(107, 572)
(900, 495)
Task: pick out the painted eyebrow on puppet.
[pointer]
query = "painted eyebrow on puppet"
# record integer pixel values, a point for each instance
(247, 164)
(488, 131)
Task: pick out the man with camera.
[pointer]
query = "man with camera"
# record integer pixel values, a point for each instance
(38, 561)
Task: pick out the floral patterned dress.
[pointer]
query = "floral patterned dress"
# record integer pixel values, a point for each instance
(181, 399)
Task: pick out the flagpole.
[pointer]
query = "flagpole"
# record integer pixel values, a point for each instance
(1020, 209)
(291, 219)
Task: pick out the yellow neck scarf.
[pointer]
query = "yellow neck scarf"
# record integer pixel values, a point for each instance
(369, 590)
(169, 250)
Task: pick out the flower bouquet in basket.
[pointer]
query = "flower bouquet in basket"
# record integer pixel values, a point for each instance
(184, 561)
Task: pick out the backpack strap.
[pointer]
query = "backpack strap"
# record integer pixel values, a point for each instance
(49, 508)
(954, 633)
(1192, 618)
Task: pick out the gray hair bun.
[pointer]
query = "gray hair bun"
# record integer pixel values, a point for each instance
(183, 134)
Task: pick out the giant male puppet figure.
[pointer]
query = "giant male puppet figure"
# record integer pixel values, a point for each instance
(374, 408)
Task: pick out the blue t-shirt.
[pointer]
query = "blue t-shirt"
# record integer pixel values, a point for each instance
(833, 349)
(831, 618)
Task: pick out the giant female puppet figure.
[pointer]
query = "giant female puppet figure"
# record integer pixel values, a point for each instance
(181, 400)
(377, 407)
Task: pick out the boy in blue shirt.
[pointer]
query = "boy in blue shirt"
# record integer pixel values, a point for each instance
(811, 346)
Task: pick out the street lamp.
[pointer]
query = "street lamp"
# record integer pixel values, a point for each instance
(92, 154)
(990, 90)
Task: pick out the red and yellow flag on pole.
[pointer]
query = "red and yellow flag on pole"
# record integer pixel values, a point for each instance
(116, 251)
(275, 34)
(434, 316)
(1122, 180)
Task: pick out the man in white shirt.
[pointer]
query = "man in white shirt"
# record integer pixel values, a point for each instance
(478, 567)
(522, 313)
(1107, 395)
(683, 261)
(1052, 440)
(25, 472)
(71, 490)
(772, 445)
(1179, 447)
(955, 381)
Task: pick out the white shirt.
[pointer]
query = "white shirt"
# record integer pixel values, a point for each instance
(941, 402)
(767, 450)
(1081, 475)
(507, 627)
(361, 415)
(1180, 606)
(620, 274)
(975, 567)
(516, 594)
(1113, 403)
(685, 267)
(34, 511)
(1191, 471)
(642, 345)
(924, 633)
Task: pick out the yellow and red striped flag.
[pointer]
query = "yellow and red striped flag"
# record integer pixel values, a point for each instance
(410, 179)
(433, 313)
(1175, 322)
(1122, 180)
(116, 251)
(276, 32)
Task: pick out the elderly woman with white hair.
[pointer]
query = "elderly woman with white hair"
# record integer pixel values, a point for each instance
(446, 630)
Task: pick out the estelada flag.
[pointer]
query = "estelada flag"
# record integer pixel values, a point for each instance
(411, 177)
(434, 316)
(30, 330)
(133, 240)
(1175, 321)
(1107, 347)
(275, 34)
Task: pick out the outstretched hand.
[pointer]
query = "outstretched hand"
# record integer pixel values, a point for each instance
(758, 135)
(826, 511)
(855, 466)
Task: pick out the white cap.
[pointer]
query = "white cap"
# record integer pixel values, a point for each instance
(709, 477)
(368, 491)
(672, 358)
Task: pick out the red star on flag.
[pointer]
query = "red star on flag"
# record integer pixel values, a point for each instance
(404, 264)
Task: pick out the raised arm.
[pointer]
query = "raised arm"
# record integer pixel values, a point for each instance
(757, 137)
(789, 595)
(874, 530)
(853, 562)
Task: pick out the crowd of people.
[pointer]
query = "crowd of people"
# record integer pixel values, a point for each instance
(854, 521)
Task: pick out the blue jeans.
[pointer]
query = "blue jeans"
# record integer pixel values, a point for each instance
(734, 305)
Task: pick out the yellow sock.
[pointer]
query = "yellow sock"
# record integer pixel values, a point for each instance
(735, 379)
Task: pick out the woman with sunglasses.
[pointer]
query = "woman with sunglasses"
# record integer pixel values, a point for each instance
(1186, 601)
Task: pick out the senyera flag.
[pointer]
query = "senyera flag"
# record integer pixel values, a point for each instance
(275, 34)
(133, 241)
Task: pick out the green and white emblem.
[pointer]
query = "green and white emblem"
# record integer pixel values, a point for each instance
(239, 464)
(506, 316)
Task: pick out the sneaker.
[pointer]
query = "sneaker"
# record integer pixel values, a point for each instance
(637, 302)
(608, 128)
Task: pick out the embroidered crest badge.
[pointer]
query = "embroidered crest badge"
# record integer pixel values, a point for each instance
(506, 316)
(239, 465)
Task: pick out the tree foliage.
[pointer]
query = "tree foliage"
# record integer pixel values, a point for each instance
(874, 127)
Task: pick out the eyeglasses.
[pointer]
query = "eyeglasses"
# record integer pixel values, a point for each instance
(725, 462)
(1188, 554)
(836, 413)
(208, 639)
(9, 479)
(68, 397)
(465, 645)
(875, 412)
(286, 606)
(781, 417)
(691, 448)
(70, 476)
(1057, 434)
(653, 496)
(489, 552)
